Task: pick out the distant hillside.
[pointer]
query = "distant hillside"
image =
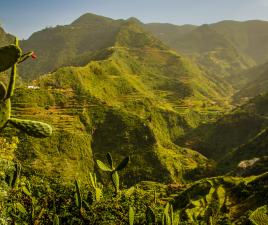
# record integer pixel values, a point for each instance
(224, 49)
(213, 51)
(5, 38)
(241, 135)
(168, 33)
(252, 82)
(70, 44)
(250, 37)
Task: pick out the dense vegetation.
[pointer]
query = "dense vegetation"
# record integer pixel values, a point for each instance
(152, 124)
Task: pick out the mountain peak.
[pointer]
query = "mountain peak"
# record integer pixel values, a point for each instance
(133, 35)
(90, 18)
(135, 20)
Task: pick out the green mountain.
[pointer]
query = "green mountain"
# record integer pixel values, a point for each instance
(93, 37)
(5, 38)
(132, 76)
(135, 101)
(252, 82)
(72, 44)
(223, 50)
(168, 33)
(109, 85)
(228, 49)
(218, 55)
(241, 135)
(249, 37)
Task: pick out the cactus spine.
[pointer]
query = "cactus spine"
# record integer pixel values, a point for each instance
(113, 170)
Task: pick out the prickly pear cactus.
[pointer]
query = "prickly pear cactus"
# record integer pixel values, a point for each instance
(113, 170)
(32, 128)
(10, 56)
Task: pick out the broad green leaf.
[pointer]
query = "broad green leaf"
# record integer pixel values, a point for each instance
(123, 164)
(131, 215)
(103, 166)
(129, 192)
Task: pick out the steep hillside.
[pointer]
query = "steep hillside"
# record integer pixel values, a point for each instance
(5, 38)
(214, 52)
(255, 146)
(92, 37)
(250, 37)
(241, 135)
(252, 82)
(66, 45)
(228, 49)
(137, 101)
(168, 33)
(211, 49)
(109, 85)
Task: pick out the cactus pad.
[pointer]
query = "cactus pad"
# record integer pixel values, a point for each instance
(33, 128)
(9, 55)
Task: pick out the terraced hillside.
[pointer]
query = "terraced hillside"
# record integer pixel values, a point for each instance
(136, 101)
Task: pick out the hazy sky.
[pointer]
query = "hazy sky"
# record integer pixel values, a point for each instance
(23, 17)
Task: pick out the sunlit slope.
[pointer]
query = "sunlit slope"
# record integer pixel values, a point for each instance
(91, 37)
(135, 102)
(62, 45)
